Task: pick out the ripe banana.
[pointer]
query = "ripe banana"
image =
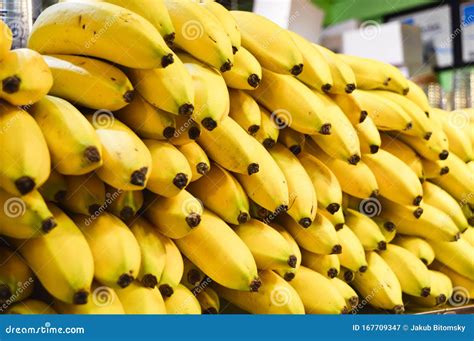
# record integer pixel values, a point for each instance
(221, 193)
(126, 159)
(318, 294)
(436, 148)
(419, 247)
(441, 290)
(244, 110)
(468, 213)
(227, 21)
(352, 256)
(187, 131)
(174, 267)
(85, 194)
(379, 285)
(292, 103)
(272, 46)
(418, 96)
(404, 153)
(289, 275)
(66, 277)
(114, 247)
(197, 160)
(276, 296)
(25, 77)
(31, 307)
(468, 236)
(387, 227)
(369, 136)
(412, 274)
(89, 82)
(123, 204)
(292, 140)
(153, 252)
(26, 216)
(193, 278)
(235, 267)
(366, 230)
(351, 107)
(349, 294)
(300, 179)
(175, 216)
(182, 302)
(209, 301)
(101, 30)
(246, 72)
(137, 299)
(199, 33)
(7, 39)
(326, 265)
(337, 219)
(346, 275)
(434, 169)
(25, 157)
(456, 255)
(16, 278)
(457, 279)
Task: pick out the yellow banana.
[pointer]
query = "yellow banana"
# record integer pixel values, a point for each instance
(174, 267)
(244, 110)
(434, 169)
(289, 275)
(366, 230)
(457, 279)
(7, 39)
(123, 204)
(468, 236)
(246, 73)
(137, 299)
(350, 296)
(197, 160)
(268, 132)
(85, 194)
(456, 255)
(227, 21)
(54, 189)
(182, 302)
(387, 227)
(441, 290)
(292, 140)
(346, 275)
(418, 96)
(419, 247)
(436, 148)
(193, 278)
(97, 29)
(404, 153)
(25, 157)
(187, 131)
(272, 46)
(352, 256)
(16, 278)
(351, 107)
(326, 265)
(369, 136)
(337, 219)
(221, 193)
(209, 301)
(468, 213)
(31, 307)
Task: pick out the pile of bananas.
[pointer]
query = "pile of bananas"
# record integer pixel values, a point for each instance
(161, 156)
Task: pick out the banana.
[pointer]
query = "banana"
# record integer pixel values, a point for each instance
(235, 267)
(343, 142)
(275, 296)
(292, 140)
(85, 194)
(418, 96)
(187, 131)
(209, 301)
(371, 74)
(300, 179)
(316, 72)
(439, 198)
(419, 247)
(16, 278)
(386, 114)
(269, 248)
(351, 107)
(456, 255)
(197, 160)
(468, 213)
(379, 285)
(246, 73)
(397, 182)
(366, 230)
(123, 204)
(434, 169)
(25, 157)
(137, 299)
(183, 302)
(221, 193)
(344, 81)
(352, 256)
(101, 30)
(193, 278)
(269, 130)
(436, 148)
(170, 89)
(457, 280)
(441, 290)
(115, 249)
(404, 153)
(174, 267)
(320, 237)
(231, 147)
(25, 77)
(369, 136)
(387, 227)
(337, 219)
(153, 252)
(350, 296)
(326, 265)
(174, 170)
(227, 21)
(292, 104)
(459, 182)
(147, 121)
(31, 307)
(126, 159)
(176, 216)
(199, 33)
(346, 275)
(412, 274)
(104, 301)
(468, 236)
(55, 262)
(89, 82)
(272, 46)
(7, 39)
(289, 275)
(54, 189)
(318, 294)
(244, 110)
(72, 142)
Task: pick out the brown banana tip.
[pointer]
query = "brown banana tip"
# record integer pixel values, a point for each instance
(209, 123)
(169, 38)
(281, 209)
(202, 168)
(25, 184)
(409, 126)
(292, 260)
(443, 155)
(226, 66)
(470, 221)
(374, 149)
(354, 159)
(350, 88)
(125, 280)
(375, 193)
(255, 284)
(332, 272)
(296, 69)
(253, 80)
(348, 276)
(336, 249)
(128, 96)
(149, 281)
(363, 116)
(186, 109)
(326, 88)
(428, 136)
(180, 180)
(333, 207)
(457, 237)
(406, 91)
(444, 170)
(166, 290)
(425, 292)
(295, 149)
(253, 168)
(80, 297)
(418, 212)
(338, 227)
(441, 299)
(289, 276)
(325, 129)
(387, 81)
(417, 200)
(382, 245)
(92, 154)
(60, 196)
(354, 301)
(127, 213)
(11, 85)
(48, 224)
(138, 177)
(269, 143)
(252, 130)
(425, 261)
(209, 311)
(194, 133)
(389, 226)
(399, 309)
(193, 277)
(234, 49)
(193, 220)
(243, 217)
(5, 292)
(167, 60)
(93, 209)
(422, 180)
(168, 132)
(305, 222)
(345, 310)
(427, 114)
(363, 268)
